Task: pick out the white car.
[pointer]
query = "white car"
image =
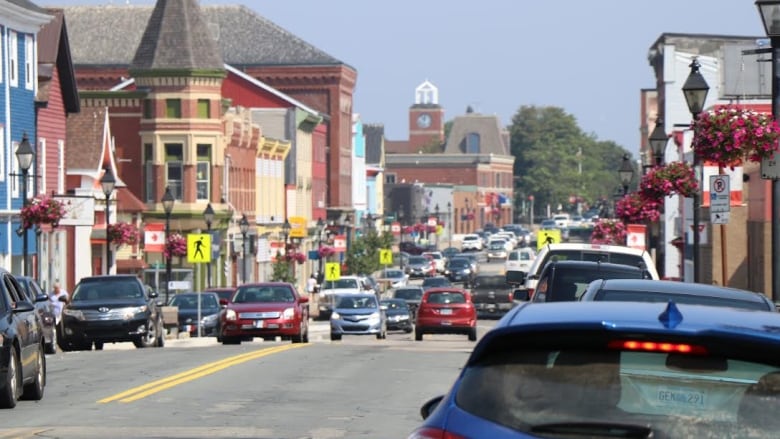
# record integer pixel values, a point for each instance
(392, 278)
(438, 261)
(471, 242)
(344, 285)
(520, 260)
(562, 220)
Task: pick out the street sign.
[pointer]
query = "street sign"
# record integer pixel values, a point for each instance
(770, 167)
(719, 217)
(432, 221)
(385, 257)
(340, 243)
(544, 237)
(720, 193)
(395, 227)
(636, 236)
(179, 285)
(198, 247)
(332, 271)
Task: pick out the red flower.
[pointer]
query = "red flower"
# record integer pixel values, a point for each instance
(673, 178)
(326, 251)
(295, 257)
(730, 135)
(175, 245)
(122, 233)
(633, 208)
(42, 210)
(610, 232)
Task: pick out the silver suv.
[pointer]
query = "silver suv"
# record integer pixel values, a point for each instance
(471, 242)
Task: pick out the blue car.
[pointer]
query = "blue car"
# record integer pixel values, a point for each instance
(612, 369)
(357, 314)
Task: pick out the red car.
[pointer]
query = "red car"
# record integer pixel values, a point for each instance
(446, 311)
(267, 310)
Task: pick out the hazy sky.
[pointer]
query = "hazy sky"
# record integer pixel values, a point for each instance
(587, 57)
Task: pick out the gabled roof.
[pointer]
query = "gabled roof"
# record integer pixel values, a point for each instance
(110, 35)
(174, 39)
(54, 53)
(488, 127)
(90, 148)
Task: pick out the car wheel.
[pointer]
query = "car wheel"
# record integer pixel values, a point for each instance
(418, 335)
(160, 335)
(98, 345)
(10, 392)
(51, 348)
(408, 329)
(298, 338)
(335, 337)
(473, 334)
(34, 390)
(149, 339)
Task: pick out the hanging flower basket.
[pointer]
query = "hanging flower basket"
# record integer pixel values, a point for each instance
(42, 210)
(175, 245)
(730, 135)
(633, 208)
(673, 178)
(300, 258)
(326, 251)
(610, 232)
(122, 233)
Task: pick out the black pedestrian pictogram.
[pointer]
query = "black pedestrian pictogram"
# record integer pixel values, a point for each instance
(550, 240)
(333, 271)
(198, 249)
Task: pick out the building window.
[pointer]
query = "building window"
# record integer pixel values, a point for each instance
(390, 178)
(13, 59)
(148, 108)
(29, 58)
(149, 194)
(173, 108)
(472, 143)
(60, 166)
(2, 40)
(174, 162)
(204, 108)
(203, 173)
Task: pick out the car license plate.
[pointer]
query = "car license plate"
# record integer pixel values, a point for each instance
(445, 311)
(675, 396)
(259, 323)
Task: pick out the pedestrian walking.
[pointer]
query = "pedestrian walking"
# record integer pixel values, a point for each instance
(57, 304)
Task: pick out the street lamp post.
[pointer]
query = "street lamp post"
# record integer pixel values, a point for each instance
(244, 226)
(449, 224)
(286, 227)
(208, 215)
(24, 155)
(626, 173)
(695, 90)
(658, 140)
(770, 16)
(167, 202)
(401, 240)
(107, 183)
(436, 214)
(320, 232)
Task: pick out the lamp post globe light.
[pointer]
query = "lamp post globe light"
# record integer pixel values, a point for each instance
(658, 140)
(695, 90)
(208, 215)
(770, 17)
(24, 156)
(626, 173)
(243, 225)
(167, 202)
(107, 183)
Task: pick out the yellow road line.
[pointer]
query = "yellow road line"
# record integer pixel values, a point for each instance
(145, 390)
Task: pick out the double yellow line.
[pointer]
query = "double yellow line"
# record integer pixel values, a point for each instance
(139, 392)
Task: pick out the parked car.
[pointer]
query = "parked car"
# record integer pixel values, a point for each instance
(399, 316)
(459, 270)
(267, 310)
(446, 311)
(188, 312)
(111, 309)
(563, 281)
(22, 357)
(411, 294)
(43, 306)
(436, 282)
(492, 295)
(419, 266)
(471, 242)
(357, 314)
(599, 369)
(632, 290)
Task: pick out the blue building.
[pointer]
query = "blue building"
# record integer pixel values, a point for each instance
(20, 21)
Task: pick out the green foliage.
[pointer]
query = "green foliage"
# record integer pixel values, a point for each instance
(282, 270)
(363, 254)
(550, 149)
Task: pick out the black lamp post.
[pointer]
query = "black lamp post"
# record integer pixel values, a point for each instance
(320, 233)
(244, 226)
(208, 215)
(348, 228)
(626, 173)
(167, 202)
(24, 155)
(107, 183)
(658, 140)
(449, 224)
(401, 240)
(436, 214)
(695, 90)
(770, 16)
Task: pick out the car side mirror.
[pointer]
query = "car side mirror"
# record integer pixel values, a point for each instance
(160, 302)
(302, 299)
(223, 302)
(63, 299)
(430, 406)
(520, 295)
(153, 295)
(41, 298)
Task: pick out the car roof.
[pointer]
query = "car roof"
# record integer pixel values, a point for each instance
(675, 287)
(452, 289)
(595, 265)
(595, 247)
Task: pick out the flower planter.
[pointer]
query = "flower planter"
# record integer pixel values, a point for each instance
(122, 233)
(175, 245)
(42, 210)
(730, 135)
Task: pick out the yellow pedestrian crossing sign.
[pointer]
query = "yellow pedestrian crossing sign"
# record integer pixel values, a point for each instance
(544, 237)
(198, 247)
(385, 257)
(332, 271)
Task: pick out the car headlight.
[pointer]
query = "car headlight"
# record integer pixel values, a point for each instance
(374, 316)
(288, 313)
(467, 271)
(129, 313)
(335, 315)
(76, 314)
(230, 314)
(208, 320)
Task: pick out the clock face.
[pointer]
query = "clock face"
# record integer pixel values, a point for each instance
(424, 121)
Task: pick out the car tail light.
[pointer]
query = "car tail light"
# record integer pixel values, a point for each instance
(530, 293)
(433, 433)
(657, 346)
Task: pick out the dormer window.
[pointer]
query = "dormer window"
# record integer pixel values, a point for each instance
(472, 143)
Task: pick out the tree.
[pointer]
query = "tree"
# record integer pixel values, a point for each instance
(282, 269)
(363, 254)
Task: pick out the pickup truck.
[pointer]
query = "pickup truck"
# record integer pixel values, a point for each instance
(491, 295)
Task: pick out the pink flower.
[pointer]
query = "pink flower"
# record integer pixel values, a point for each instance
(122, 233)
(42, 210)
(175, 245)
(730, 135)
(611, 232)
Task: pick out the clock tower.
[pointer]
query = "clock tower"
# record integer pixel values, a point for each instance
(426, 118)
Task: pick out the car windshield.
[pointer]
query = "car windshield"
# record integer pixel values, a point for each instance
(108, 289)
(655, 296)
(590, 255)
(459, 263)
(497, 245)
(408, 294)
(223, 294)
(363, 302)
(190, 301)
(341, 283)
(393, 274)
(490, 282)
(395, 305)
(417, 260)
(436, 282)
(264, 294)
(677, 395)
(446, 297)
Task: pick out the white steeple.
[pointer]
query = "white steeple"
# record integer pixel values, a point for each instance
(426, 93)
